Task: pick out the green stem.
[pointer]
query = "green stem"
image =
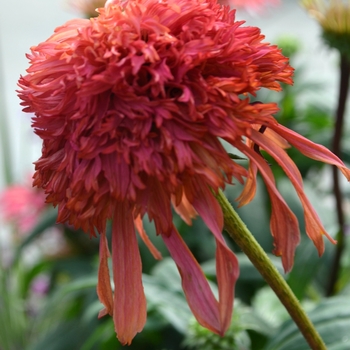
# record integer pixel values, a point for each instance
(245, 240)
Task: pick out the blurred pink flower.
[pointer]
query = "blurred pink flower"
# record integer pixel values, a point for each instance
(22, 205)
(40, 285)
(252, 6)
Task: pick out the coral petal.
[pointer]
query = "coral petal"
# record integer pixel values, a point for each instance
(284, 224)
(129, 299)
(314, 227)
(139, 227)
(226, 262)
(311, 149)
(104, 289)
(249, 189)
(227, 271)
(199, 296)
(185, 210)
(103, 313)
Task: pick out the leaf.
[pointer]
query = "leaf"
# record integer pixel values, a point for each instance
(267, 305)
(68, 335)
(307, 262)
(234, 156)
(250, 319)
(14, 323)
(332, 320)
(164, 294)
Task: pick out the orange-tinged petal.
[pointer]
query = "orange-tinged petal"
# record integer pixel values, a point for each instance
(199, 296)
(311, 149)
(139, 227)
(280, 141)
(130, 311)
(104, 289)
(284, 224)
(249, 188)
(314, 227)
(185, 209)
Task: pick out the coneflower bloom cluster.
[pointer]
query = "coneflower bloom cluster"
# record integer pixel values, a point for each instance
(132, 107)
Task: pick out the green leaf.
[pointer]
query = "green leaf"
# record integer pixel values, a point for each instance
(14, 323)
(164, 294)
(307, 262)
(332, 320)
(267, 305)
(234, 156)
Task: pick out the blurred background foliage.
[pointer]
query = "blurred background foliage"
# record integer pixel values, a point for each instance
(48, 282)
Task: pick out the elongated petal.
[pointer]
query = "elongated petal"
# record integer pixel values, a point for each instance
(199, 296)
(227, 273)
(314, 227)
(129, 299)
(184, 209)
(311, 149)
(249, 188)
(284, 224)
(280, 141)
(139, 227)
(104, 289)
(227, 269)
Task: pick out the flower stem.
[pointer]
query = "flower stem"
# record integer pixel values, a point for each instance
(245, 240)
(336, 148)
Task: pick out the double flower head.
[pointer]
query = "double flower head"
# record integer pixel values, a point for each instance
(132, 107)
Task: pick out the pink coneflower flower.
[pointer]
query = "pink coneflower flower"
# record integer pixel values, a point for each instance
(22, 205)
(131, 107)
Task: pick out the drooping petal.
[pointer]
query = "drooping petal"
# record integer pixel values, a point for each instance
(199, 296)
(227, 269)
(249, 188)
(139, 227)
(104, 289)
(314, 227)
(311, 149)
(227, 273)
(130, 310)
(185, 209)
(283, 223)
(278, 139)
(157, 201)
